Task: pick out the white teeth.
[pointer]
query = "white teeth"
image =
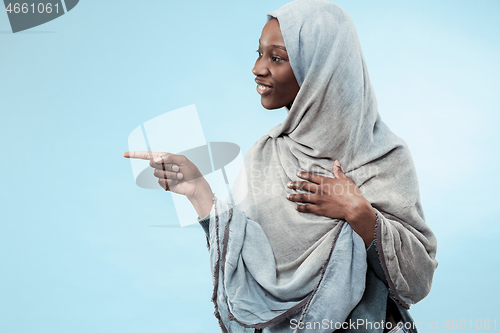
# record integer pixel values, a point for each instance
(262, 89)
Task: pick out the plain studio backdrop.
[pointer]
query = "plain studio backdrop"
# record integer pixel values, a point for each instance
(83, 249)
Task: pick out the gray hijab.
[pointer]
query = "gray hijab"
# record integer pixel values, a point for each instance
(271, 262)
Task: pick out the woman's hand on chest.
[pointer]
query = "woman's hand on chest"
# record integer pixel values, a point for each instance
(337, 198)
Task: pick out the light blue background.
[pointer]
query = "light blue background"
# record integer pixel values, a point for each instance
(77, 250)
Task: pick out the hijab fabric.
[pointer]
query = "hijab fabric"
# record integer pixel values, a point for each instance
(271, 262)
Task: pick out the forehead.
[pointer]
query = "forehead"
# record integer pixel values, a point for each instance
(271, 34)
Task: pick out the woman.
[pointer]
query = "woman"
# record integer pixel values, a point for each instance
(310, 247)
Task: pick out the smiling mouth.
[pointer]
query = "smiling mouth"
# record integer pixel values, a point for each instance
(263, 90)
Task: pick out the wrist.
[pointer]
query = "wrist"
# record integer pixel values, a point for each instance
(202, 198)
(355, 210)
(362, 218)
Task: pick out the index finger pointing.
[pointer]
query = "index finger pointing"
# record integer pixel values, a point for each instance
(144, 155)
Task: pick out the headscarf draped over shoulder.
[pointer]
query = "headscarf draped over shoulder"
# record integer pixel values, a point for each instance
(271, 262)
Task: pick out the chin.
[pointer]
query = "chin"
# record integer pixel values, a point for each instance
(270, 106)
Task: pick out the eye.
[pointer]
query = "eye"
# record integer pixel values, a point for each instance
(260, 53)
(276, 59)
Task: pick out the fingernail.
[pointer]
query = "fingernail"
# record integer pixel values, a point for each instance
(179, 175)
(289, 184)
(337, 163)
(299, 173)
(157, 159)
(175, 168)
(288, 196)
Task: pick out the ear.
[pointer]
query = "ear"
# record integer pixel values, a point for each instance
(337, 170)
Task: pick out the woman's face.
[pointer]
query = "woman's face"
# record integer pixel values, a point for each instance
(276, 83)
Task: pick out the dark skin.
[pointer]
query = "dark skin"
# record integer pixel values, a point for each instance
(337, 198)
(275, 80)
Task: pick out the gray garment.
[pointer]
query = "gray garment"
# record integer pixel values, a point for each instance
(270, 262)
(373, 304)
(334, 117)
(246, 294)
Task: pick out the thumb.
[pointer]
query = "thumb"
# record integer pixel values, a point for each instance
(337, 170)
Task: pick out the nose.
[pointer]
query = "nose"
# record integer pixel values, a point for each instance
(260, 68)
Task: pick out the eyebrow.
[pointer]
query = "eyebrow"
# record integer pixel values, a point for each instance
(281, 47)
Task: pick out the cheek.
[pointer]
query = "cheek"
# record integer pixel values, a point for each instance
(287, 81)
(292, 82)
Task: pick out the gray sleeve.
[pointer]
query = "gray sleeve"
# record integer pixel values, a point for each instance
(205, 222)
(373, 260)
